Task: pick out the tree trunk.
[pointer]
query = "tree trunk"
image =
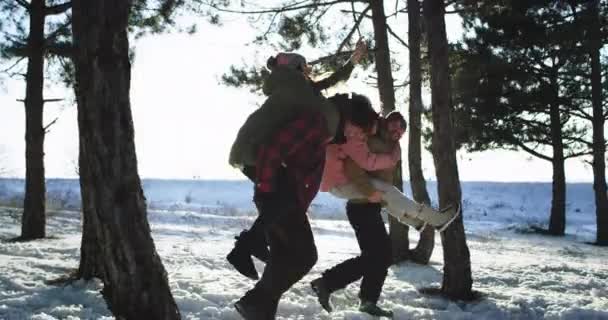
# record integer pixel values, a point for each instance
(557, 221)
(599, 146)
(423, 251)
(383, 58)
(91, 260)
(135, 281)
(457, 280)
(398, 231)
(33, 222)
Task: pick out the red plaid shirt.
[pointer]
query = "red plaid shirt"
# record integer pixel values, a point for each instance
(300, 148)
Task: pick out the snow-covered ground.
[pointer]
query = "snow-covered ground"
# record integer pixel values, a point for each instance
(521, 275)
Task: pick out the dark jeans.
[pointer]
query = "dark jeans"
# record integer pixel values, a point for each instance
(292, 255)
(372, 265)
(292, 249)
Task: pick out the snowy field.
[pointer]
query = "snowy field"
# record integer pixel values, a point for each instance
(521, 275)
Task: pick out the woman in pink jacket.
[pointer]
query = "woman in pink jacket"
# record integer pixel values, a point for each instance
(361, 124)
(357, 149)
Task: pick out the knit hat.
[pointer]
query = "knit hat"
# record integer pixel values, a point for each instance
(288, 59)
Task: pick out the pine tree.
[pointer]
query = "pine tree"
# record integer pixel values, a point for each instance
(457, 280)
(509, 86)
(22, 40)
(135, 281)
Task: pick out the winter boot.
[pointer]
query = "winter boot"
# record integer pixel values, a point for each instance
(252, 308)
(438, 219)
(240, 258)
(373, 309)
(320, 289)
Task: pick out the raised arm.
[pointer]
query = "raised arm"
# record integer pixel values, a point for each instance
(345, 71)
(341, 74)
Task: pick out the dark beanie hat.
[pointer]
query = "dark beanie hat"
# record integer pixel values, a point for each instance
(291, 60)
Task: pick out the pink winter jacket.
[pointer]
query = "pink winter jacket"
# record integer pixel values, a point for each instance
(355, 148)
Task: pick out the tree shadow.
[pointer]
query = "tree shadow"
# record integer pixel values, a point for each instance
(474, 297)
(418, 275)
(20, 239)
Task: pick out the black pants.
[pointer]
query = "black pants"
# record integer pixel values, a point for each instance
(372, 265)
(292, 255)
(292, 250)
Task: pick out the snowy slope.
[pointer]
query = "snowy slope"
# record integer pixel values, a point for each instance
(522, 276)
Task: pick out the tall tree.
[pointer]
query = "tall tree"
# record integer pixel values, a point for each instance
(386, 89)
(146, 17)
(424, 248)
(457, 280)
(33, 45)
(135, 281)
(595, 44)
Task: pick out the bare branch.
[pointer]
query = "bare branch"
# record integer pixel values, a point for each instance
(579, 140)
(579, 113)
(352, 31)
(456, 11)
(61, 49)
(24, 4)
(58, 8)
(532, 151)
(13, 65)
(396, 36)
(402, 10)
(44, 101)
(286, 8)
(403, 85)
(46, 128)
(352, 5)
(18, 51)
(58, 31)
(270, 24)
(578, 154)
(52, 100)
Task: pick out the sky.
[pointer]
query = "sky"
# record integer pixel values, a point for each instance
(185, 120)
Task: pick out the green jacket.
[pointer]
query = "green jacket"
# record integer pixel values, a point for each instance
(289, 93)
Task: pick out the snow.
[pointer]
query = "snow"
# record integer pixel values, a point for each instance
(521, 275)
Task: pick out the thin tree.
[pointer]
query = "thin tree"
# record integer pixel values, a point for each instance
(424, 248)
(135, 281)
(32, 45)
(594, 45)
(457, 280)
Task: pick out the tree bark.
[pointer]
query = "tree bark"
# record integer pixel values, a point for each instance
(398, 232)
(457, 280)
(557, 221)
(33, 222)
(135, 280)
(383, 58)
(91, 260)
(424, 249)
(599, 143)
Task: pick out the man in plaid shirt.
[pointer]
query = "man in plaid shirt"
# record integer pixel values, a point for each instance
(289, 170)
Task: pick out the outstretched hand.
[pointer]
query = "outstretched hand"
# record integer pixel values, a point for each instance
(360, 51)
